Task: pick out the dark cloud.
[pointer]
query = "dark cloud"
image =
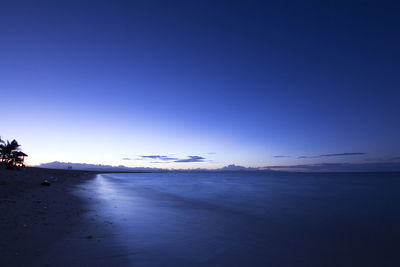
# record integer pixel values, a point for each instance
(307, 166)
(158, 157)
(343, 154)
(281, 156)
(126, 159)
(343, 167)
(191, 159)
(333, 155)
(167, 159)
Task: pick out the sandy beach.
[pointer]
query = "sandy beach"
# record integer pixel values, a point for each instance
(33, 216)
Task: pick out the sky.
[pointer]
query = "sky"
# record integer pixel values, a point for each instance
(201, 84)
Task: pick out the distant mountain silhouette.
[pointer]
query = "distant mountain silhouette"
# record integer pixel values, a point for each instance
(93, 167)
(100, 167)
(234, 167)
(321, 167)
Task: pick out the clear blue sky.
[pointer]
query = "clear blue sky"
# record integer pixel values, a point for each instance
(228, 81)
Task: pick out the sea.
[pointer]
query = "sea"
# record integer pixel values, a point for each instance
(245, 218)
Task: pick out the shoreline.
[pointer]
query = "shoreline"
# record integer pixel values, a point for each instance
(33, 217)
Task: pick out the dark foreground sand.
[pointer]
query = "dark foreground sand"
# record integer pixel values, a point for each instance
(33, 217)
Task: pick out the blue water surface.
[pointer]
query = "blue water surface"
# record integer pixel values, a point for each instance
(251, 218)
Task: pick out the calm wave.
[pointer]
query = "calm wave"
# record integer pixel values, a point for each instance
(252, 219)
(235, 219)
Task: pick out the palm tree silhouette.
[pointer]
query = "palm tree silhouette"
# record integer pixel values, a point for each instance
(1, 149)
(10, 153)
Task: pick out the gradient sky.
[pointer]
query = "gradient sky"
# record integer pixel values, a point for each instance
(230, 81)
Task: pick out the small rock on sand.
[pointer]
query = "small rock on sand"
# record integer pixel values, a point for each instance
(45, 183)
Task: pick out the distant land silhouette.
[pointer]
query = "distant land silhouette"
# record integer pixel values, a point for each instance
(389, 166)
(100, 167)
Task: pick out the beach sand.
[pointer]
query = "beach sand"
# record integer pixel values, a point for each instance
(32, 216)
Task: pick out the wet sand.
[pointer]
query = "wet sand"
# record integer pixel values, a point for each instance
(32, 216)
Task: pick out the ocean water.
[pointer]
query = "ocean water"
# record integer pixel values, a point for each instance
(247, 218)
